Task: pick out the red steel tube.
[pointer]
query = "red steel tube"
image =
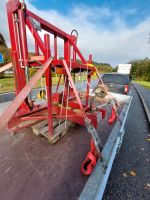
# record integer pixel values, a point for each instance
(48, 83)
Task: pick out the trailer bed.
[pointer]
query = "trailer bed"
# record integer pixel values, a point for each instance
(32, 168)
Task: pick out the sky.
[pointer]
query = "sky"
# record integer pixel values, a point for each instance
(113, 31)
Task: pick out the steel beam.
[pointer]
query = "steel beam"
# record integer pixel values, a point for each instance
(73, 86)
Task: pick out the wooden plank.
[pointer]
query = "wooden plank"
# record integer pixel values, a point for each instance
(59, 132)
(42, 126)
(36, 127)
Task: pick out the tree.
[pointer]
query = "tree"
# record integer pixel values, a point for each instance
(5, 52)
(141, 69)
(2, 40)
(103, 67)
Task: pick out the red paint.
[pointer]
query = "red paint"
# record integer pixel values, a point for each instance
(126, 89)
(113, 116)
(19, 17)
(90, 161)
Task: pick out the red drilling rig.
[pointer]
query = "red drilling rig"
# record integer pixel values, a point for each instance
(63, 105)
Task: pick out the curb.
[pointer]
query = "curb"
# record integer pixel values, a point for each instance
(147, 111)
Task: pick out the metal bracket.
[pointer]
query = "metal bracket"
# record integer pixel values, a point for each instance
(35, 23)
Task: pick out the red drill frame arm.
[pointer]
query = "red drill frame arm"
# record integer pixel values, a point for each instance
(19, 17)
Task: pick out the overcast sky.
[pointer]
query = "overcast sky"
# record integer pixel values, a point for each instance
(113, 31)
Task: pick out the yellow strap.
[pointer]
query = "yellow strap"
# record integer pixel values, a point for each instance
(89, 65)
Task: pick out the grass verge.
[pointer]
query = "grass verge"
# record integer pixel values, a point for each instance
(145, 84)
(7, 83)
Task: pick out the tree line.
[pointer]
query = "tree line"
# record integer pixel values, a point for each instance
(103, 67)
(140, 69)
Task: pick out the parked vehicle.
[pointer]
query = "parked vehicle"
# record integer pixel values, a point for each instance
(117, 82)
(124, 68)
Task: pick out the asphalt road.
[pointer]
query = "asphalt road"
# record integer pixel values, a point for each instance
(145, 93)
(133, 156)
(5, 97)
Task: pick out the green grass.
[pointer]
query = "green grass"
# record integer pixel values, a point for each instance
(7, 83)
(145, 84)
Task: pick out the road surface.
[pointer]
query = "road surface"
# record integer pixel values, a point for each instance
(145, 93)
(134, 156)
